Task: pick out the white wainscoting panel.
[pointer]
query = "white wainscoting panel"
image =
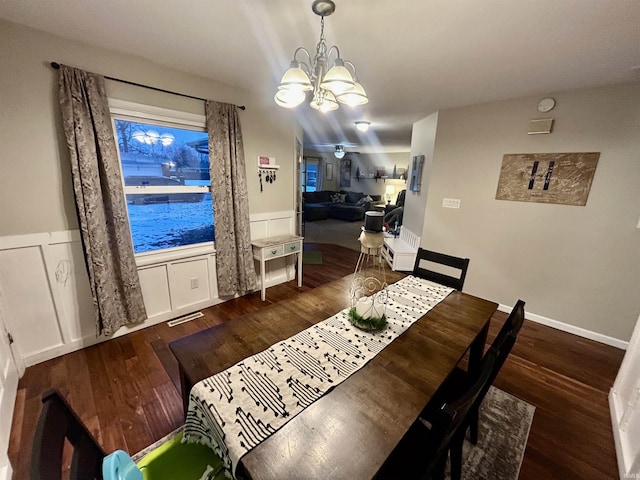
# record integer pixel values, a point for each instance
(28, 305)
(154, 281)
(70, 286)
(47, 300)
(189, 282)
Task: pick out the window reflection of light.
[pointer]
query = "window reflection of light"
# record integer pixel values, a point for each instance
(151, 137)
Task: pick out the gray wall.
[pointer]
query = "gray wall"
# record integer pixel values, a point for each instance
(35, 183)
(577, 265)
(423, 138)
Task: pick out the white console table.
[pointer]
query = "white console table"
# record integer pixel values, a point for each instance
(275, 247)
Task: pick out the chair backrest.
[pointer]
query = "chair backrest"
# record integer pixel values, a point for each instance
(57, 423)
(400, 199)
(511, 327)
(453, 416)
(458, 263)
(503, 343)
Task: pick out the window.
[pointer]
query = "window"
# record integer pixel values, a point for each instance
(165, 167)
(310, 175)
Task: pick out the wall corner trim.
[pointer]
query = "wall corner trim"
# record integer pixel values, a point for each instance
(565, 327)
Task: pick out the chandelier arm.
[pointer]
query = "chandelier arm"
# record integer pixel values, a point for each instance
(355, 74)
(333, 48)
(302, 49)
(308, 66)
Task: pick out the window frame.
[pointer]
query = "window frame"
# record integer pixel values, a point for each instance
(151, 115)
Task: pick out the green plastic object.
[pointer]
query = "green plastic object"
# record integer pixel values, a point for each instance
(174, 460)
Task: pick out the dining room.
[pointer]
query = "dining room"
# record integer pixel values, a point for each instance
(545, 410)
(356, 427)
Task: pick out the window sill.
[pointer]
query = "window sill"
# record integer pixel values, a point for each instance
(172, 254)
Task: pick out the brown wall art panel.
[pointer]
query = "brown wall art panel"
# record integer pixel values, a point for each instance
(561, 178)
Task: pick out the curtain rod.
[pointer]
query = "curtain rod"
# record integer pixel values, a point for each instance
(56, 66)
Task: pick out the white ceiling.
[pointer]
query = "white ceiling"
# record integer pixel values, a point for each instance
(413, 56)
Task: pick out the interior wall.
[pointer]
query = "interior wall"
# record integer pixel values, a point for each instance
(35, 181)
(576, 265)
(43, 280)
(367, 163)
(423, 137)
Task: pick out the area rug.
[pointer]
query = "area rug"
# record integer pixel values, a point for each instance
(312, 258)
(503, 431)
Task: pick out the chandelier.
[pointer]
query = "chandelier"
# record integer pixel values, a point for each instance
(339, 152)
(329, 87)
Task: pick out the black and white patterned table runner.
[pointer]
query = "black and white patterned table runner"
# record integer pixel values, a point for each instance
(235, 410)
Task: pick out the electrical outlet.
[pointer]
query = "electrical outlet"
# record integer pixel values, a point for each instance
(194, 283)
(451, 202)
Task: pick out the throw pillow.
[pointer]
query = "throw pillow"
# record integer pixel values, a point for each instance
(353, 197)
(361, 202)
(335, 198)
(343, 197)
(368, 199)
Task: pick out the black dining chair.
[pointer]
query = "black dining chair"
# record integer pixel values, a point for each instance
(59, 423)
(422, 453)
(459, 380)
(454, 263)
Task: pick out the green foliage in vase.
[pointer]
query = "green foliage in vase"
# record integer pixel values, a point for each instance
(371, 323)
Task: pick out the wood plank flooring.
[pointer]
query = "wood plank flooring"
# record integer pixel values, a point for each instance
(126, 390)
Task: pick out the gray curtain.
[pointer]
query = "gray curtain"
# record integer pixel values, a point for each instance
(234, 259)
(100, 201)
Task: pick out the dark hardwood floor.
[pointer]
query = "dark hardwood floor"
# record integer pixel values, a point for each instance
(126, 390)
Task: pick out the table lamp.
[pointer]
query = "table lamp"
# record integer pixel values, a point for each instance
(389, 191)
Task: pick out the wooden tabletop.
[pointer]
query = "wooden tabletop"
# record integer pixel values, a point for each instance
(349, 432)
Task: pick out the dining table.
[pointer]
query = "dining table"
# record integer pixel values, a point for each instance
(350, 431)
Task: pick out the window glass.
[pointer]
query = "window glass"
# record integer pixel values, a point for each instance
(310, 176)
(166, 181)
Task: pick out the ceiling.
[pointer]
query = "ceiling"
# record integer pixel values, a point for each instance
(413, 56)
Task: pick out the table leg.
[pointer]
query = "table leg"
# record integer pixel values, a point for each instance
(477, 349)
(185, 386)
(263, 295)
(300, 268)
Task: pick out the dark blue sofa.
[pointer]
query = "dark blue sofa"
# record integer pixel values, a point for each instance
(319, 205)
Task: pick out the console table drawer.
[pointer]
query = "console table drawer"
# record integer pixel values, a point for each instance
(271, 252)
(292, 247)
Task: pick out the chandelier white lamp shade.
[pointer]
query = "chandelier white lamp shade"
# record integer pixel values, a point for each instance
(362, 125)
(339, 152)
(330, 86)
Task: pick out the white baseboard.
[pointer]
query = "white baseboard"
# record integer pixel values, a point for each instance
(565, 327)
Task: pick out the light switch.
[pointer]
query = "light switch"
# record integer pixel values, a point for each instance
(194, 283)
(451, 202)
